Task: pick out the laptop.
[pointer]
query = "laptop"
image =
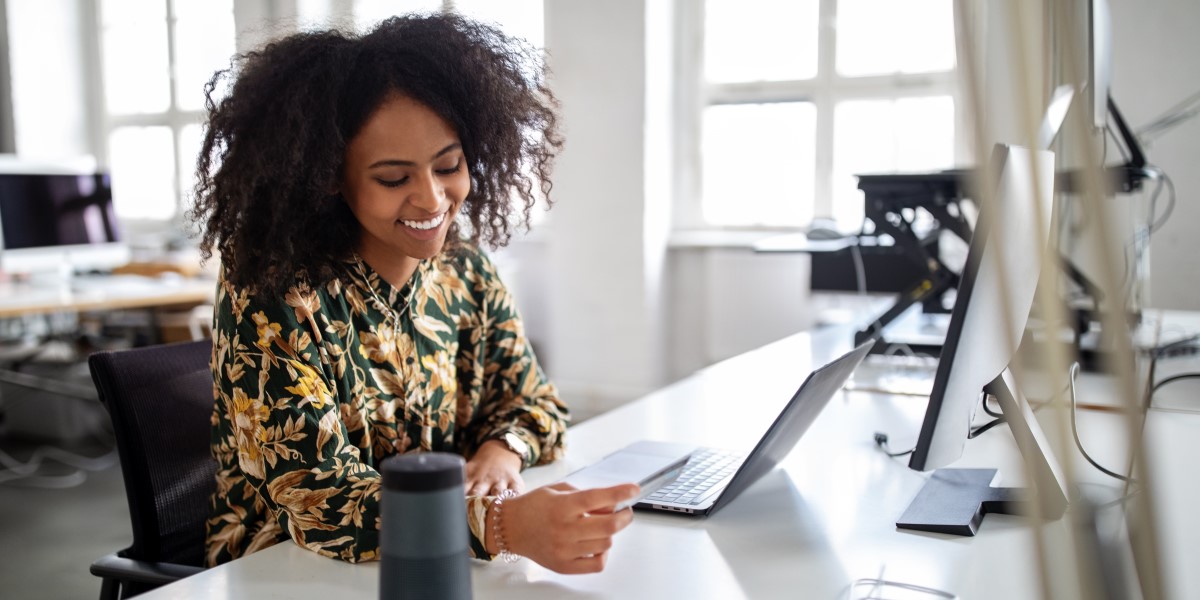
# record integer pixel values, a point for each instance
(712, 478)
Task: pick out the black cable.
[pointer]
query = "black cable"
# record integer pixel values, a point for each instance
(988, 409)
(1173, 378)
(1075, 433)
(1158, 352)
(1120, 147)
(1157, 224)
(881, 440)
(978, 431)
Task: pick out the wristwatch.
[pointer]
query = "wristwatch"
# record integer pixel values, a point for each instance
(516, 445)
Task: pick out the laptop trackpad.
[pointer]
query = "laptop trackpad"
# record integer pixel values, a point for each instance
(648, 464)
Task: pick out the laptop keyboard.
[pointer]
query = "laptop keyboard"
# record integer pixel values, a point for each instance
(706, 468)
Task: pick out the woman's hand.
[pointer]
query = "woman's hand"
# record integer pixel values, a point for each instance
(564, 529)
(493, 469)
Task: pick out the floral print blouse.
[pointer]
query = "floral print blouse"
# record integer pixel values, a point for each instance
(314, 389)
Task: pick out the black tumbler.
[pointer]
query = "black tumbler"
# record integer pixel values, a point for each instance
(424, 536)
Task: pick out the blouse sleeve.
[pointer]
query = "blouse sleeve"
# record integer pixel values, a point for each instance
(284, 423)
(517, 397)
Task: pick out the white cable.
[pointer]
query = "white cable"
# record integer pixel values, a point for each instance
(26, 472)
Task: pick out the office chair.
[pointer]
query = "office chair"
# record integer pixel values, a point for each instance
(160, 399)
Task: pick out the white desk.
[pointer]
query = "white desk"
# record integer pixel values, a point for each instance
(113, 292)
(808, 529)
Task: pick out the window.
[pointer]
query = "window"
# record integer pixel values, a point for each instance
(155, 58)
(797, 96)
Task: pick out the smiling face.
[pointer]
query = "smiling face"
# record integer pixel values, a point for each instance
(405, 178)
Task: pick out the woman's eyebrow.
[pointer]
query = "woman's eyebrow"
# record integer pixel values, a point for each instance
(393, 162)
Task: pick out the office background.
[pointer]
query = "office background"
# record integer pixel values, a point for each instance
(636, 278)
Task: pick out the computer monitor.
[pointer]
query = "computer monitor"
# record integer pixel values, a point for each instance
(58, 222)
(1001, 274)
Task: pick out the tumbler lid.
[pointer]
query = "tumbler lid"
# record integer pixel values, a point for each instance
(422, 472)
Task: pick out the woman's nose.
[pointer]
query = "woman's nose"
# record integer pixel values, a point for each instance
(428, 194)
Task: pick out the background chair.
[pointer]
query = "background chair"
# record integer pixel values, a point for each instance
(160, 399)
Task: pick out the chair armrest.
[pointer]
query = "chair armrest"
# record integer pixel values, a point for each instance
(128, 569)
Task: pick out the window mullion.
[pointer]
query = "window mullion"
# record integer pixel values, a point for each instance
(826, 65)
(173, 112)
(101, 120)
(690, 103)
(760, 92)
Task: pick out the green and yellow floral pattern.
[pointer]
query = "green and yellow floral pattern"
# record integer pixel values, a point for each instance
(314, 389)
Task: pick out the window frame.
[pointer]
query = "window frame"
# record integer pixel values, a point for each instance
(105, 122)
(826, 90)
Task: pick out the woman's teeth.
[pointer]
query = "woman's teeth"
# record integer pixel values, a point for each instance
(430, 224)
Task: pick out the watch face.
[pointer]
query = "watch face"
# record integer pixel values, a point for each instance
(516, 444)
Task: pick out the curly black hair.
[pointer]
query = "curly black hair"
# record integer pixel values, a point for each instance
(268, 173)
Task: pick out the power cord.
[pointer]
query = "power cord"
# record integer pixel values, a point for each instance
(1173, 378)
(26, 473)
(881, 440)
(1075, 433)
(978, 431)
(1168, 349)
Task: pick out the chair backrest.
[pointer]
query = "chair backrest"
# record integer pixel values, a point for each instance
(160, 399)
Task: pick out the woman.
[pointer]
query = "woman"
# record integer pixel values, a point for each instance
(346, 182)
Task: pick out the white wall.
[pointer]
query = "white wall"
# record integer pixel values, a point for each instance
(626, 312)
(601, 243)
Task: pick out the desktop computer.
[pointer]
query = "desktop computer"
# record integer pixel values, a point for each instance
(994, 300)
(57, 223)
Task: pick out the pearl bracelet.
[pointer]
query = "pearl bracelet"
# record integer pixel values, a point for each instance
(497, 503)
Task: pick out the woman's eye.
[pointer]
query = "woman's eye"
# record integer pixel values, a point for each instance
(451, 170)
(393, 182)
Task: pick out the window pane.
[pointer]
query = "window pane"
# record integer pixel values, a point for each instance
(125, 12)
(142, 162)
(519, 18)
(368, 13)
(136, 71)
(758, 163)
(879, 37)
(316, 14)
(190, 139)
(741, 44)
(204, 43)
(881, 136)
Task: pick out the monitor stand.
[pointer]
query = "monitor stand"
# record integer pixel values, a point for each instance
(954, 501)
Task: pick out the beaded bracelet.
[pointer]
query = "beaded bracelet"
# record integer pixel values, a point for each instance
(497, 503)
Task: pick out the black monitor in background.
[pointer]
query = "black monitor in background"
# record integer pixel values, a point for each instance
(47, 219)
(1001, 274)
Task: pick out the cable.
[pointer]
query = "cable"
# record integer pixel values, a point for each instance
(860, 271)
(1173, 378)
(1160, 351)
(881, 440)
(26, 472)
(1075, 433)
(1108, 131)
(988, 409)
(1171, 199)
(1141, 239)
(982, 429)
